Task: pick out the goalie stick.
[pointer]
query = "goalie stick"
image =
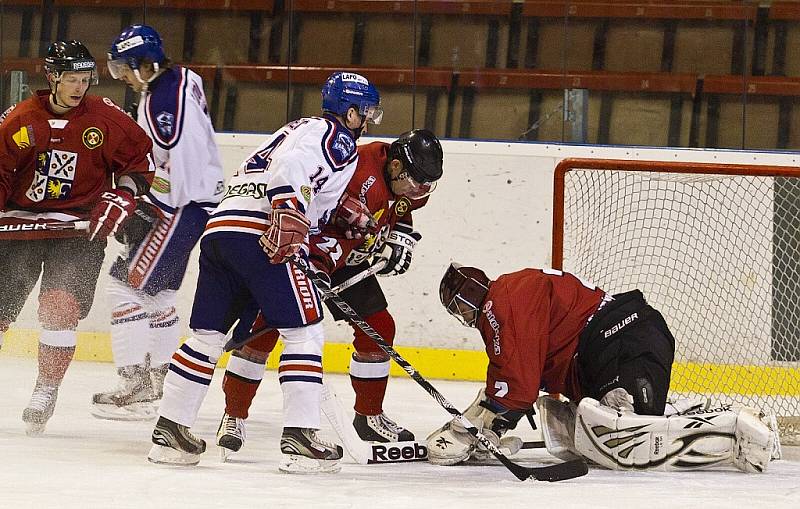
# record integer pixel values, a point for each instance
(558, 472)
(38, 227)
(366, 453)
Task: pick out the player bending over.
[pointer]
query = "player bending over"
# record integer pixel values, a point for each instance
(391, 180)
(168, 222)
(289, 186)
(549, 330)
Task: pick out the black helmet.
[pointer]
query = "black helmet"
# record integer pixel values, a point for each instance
(69, 56)
(421, 154)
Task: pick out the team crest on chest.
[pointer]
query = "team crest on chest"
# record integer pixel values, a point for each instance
(55, 172)
(92, 138)
(166, 123)
(402, 206)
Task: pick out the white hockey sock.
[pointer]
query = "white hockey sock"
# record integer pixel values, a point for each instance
(164, 335)
(129, 328)
(189, 376)
(300, 376)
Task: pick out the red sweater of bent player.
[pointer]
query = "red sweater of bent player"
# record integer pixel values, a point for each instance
(63, 163)
(530, 323)
(330, 250)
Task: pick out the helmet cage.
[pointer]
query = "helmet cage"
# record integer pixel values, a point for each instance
(462, 292)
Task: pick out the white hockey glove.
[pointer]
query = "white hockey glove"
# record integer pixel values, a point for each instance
(398, 249)
(452, 443)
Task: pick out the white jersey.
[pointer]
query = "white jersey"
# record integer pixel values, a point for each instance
(305, 165)
(174, 114)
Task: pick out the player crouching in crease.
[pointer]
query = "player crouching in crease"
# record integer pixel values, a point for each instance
(547, 329)
(290, 185)
(391, 181)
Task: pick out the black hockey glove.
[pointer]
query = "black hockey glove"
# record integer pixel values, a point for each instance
(398, 249)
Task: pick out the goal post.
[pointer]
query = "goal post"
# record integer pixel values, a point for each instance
(715, 248)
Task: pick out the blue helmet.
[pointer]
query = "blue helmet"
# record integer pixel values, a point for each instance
(343, 90)
(135, 45)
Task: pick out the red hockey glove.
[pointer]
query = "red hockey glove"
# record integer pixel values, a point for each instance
(286, 233)
(114, 207)
(353, 217)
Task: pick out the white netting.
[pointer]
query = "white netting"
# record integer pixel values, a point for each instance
(719, 256)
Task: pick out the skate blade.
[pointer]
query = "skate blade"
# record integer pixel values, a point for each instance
(297, 464)
(132, 412)
(225, 454)
(168, 456)
(34, 429)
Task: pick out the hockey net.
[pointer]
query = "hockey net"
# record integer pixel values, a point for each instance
(716, 249)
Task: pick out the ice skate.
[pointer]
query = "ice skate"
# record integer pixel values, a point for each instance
(40, 409)
(305, 453)
(380, 428)
(132, 400)
(173, 444)
(157, 375)
(230, 435)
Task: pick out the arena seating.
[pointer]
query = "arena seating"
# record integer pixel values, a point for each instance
(684, 72)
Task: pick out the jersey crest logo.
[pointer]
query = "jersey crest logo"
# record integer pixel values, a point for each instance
(92, 138)
(306, 192)
(24, 137)
(160, 185)
(55, 172)
(402, 206)
(166, 123)
(343, 145)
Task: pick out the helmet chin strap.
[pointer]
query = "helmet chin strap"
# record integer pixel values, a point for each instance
(146, 83)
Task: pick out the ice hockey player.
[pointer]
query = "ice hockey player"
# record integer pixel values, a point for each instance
(289, 186)
(65, 156)
(391, 180)
(610, 355)
(168, 222)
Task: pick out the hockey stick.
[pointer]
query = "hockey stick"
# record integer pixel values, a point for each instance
(558, 472)
(233, 344)
(363, 452)
(361, 276)
(38, 227)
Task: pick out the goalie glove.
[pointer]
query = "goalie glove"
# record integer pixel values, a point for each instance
(452, 443)
(108, 214)
(398, 249)
(353, 217)
(286, 234)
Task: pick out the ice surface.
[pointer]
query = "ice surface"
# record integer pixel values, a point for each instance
(83, 462)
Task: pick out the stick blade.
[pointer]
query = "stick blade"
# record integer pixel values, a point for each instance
(560, 471)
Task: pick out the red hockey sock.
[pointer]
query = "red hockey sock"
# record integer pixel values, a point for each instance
(369, 368)
(239, 394)
(53, 363)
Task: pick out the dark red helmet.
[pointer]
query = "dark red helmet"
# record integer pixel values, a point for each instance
(462, 292)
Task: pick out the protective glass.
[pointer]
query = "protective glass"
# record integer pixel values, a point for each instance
(116, 68)
(411, 188)
(373, 113)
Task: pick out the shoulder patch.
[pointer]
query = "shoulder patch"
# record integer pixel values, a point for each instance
(402, 206)
(342, 146)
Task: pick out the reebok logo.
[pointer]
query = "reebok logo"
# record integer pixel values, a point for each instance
(397, 452)
(618, 327)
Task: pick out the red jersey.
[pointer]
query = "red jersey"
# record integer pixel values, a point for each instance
(331, 250)
(530, 323)
(55, 167)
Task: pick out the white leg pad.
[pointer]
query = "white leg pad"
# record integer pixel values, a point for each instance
(626, 441)
(300, 376)
(558, 427)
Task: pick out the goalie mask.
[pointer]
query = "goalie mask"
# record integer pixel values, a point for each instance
(462, 292)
